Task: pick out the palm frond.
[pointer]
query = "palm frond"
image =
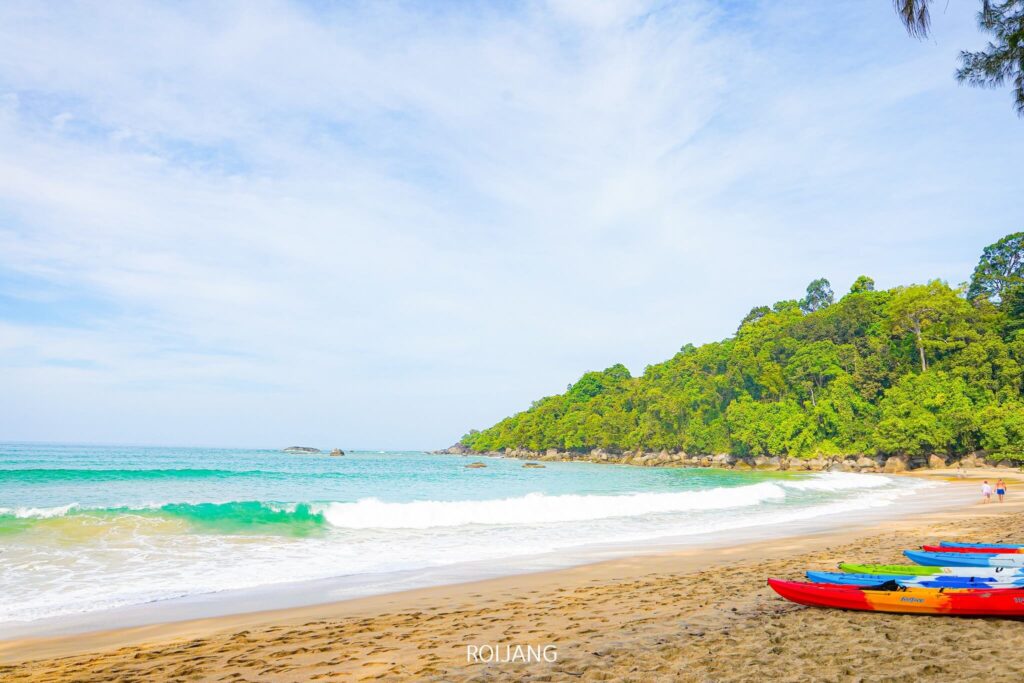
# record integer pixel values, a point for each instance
(915, 16)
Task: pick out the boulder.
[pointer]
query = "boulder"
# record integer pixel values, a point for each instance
(337, 451)
(864, 461)
(937, 462)
(816, 464)
(301, 449)
(533, 466)
(762, 462)
(894, 464)
(723, 459)
(475, 465)
(972, 460)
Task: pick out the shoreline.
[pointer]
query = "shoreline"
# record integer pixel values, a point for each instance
(824, 518)
(455, 606)
(886, 464)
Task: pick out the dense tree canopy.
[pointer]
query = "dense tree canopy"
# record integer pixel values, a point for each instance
(915, 370)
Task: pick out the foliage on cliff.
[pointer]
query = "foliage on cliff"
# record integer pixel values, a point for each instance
(917, 369)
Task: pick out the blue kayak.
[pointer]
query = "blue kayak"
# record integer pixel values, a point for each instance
(918, 581)
(951, 544)
(932, 559)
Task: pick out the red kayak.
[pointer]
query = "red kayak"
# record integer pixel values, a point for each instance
(1007, 602)
(971, 549)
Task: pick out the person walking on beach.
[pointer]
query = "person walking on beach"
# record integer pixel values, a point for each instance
(1000, 489)
(986, 491)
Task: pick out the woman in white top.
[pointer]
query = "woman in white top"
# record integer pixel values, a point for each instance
(986, 491)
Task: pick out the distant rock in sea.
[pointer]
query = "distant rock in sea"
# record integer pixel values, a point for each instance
(337, 451)
(301, 449)
(534, 466)
(475, 465)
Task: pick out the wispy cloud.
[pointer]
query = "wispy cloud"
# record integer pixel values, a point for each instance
(382, 224)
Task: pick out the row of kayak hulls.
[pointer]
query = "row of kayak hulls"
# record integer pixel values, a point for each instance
(950, 578)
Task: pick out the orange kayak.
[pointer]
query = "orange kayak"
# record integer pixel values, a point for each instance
(1001, 602)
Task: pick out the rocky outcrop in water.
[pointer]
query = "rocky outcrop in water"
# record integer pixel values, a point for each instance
(302, 449)
(848, 463)
(337, 452)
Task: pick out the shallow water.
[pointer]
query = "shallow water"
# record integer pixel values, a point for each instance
(88, 528)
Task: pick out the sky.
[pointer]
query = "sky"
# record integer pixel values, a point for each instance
(378, 225)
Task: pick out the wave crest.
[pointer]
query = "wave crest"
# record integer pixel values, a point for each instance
(538, 508)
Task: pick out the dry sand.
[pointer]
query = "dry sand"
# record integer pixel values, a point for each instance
(687, 616)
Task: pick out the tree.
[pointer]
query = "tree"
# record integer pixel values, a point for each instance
(756, 313)
(862, 284)
(1001, 61)
(1002, 430)
(813, 366)
(1001, 267)
(918, 309)
(819, 295)
(594, 383)
(1013, 304)
(924, 414)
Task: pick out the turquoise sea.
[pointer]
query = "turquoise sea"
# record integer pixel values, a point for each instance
(89, 528)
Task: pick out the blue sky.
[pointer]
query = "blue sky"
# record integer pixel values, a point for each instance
(380, 225)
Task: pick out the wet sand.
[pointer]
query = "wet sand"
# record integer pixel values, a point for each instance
(694, 615)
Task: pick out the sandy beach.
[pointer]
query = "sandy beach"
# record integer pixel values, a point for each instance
(692, 615)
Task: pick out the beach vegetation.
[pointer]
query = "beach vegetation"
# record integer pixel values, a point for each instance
(917, 369)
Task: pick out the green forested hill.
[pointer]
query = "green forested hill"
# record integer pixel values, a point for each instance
(917, 369)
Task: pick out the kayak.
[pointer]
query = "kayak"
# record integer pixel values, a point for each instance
(937, 581)
(960, 601)
(1003, 573)
(1007, 546)
(978, 549)
(934, 559)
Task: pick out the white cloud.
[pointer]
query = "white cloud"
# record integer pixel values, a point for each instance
(382, 225)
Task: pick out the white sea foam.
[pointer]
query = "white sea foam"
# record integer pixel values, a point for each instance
(39, 513)
(838, 481)
(537, 508)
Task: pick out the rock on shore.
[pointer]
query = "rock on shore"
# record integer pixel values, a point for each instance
(847, 463)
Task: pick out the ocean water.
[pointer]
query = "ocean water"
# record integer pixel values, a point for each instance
(90, 528)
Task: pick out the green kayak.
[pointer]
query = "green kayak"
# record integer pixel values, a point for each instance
(903, 569)
(920, 570)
